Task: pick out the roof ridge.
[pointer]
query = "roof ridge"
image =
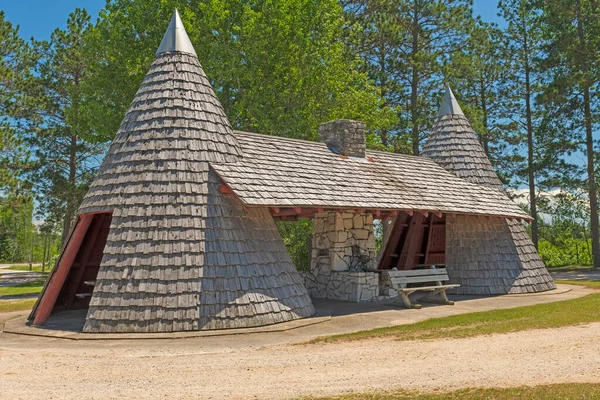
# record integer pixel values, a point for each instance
(321, 144)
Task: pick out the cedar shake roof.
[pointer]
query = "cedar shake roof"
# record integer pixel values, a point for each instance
(485, 256)
(174, 125)
(453, 144)
(180, 255)
(282, 172)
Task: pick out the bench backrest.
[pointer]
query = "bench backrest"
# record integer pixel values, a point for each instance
(402, 277)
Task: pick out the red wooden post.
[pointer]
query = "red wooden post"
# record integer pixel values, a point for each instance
(62, 270)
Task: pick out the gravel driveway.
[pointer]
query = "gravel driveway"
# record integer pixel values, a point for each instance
(67, 369)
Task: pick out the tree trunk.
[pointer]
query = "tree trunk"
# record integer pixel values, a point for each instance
(44, 253)
(70, 208)
(31, 250)
(530, 148)
(485, 140)
(414, 84)
(589, 142)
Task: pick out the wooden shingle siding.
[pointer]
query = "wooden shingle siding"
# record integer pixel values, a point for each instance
(485, 256)
(282, 172)
(180, 255)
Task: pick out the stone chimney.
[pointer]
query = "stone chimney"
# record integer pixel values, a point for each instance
(344, 136)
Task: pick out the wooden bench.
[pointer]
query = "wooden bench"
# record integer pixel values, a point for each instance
(399, 279)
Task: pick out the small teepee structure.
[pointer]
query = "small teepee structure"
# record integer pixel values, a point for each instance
(157, 247)
(484, 255)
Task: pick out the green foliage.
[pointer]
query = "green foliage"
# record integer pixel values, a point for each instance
(278, 67)
(16, 64)
(479, 74)
(565, 238)
(296, 237)
(568, 251)
(16, 229)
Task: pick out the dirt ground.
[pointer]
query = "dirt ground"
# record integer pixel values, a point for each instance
(273, 365)
(53, 368)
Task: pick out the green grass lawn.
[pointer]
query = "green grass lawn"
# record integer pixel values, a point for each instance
(25, 267)
(566, 391)
(539, 316)
(26, 289)
(29, 288)
(16, 305)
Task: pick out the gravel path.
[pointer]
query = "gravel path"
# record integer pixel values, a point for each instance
(10, 277)
(586, 275)
(66, 369)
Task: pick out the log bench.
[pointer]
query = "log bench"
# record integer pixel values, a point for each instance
(400, 279)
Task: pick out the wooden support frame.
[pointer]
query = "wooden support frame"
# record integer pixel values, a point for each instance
(84, 258)
(57, 280)
(413, 236)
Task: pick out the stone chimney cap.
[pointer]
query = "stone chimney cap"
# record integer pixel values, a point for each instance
(345, 137)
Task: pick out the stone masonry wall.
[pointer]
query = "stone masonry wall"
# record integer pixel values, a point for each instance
(343, 260)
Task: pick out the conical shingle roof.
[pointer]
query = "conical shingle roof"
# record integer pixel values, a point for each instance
(180, 255)
(453, 144)
(486, 256)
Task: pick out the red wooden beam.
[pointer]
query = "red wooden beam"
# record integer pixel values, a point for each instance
(413, 237)
(223, 188)
(58, 278)
(87, 248)
(410, 213)
(438, 214)
(284, 212)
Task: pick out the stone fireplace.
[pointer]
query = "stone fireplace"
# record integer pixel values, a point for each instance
(343, 255)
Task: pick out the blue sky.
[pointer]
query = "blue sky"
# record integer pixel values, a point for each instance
(39, 18)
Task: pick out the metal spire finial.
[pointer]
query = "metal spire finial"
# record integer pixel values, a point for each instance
(176, 38)
(449, 104)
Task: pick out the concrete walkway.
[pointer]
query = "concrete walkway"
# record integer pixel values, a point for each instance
(334, 317)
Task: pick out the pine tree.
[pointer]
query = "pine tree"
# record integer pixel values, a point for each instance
(64, 142)
(572, 29)
(479, 74)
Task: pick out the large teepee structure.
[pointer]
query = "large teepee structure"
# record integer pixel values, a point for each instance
(179, 254)
(484, 255)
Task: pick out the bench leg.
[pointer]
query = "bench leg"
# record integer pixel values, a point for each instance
(445, 298)
(442, 292)
(407, 302)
